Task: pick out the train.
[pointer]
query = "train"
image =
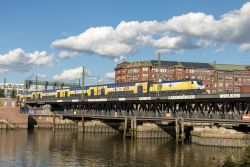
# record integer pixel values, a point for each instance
(173, 87)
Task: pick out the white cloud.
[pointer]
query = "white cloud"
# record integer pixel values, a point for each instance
(245, 47)
(41, 76)
(219, 50)
(168, 44)
(232, 28)
(70, 74)
(120, 59)
(20, 61)
(2, 70)
(68, 54)
(110, 75)
(185, 32)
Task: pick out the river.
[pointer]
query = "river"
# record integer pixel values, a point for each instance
(42, 148)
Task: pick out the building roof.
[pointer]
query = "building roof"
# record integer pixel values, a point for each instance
(230, 67)
(196, 65)
(154, 63)
(164, 63)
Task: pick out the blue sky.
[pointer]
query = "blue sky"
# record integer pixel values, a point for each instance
(42, 30)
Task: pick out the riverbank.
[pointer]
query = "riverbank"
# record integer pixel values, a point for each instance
(12, 116)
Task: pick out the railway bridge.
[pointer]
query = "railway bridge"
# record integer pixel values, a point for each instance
(207, 106)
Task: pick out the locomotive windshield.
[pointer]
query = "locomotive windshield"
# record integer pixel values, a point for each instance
(199, 82)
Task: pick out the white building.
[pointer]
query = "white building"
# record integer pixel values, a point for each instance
(12, 86)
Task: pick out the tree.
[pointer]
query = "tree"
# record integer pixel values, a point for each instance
(245, 162)
(1, 92)
(228, 162)
(246, 158)
(13, 93)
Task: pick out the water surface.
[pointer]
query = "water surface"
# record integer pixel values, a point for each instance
(41, 148)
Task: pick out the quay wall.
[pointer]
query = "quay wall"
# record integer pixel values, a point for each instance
(219, 137)
(95, 126)
(49, 122)
(150, 130)
(13, 116)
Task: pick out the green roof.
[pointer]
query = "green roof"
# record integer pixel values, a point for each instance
(229, 67)
(146, 63)
(173, 64)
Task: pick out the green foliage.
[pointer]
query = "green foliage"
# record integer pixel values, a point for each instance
(1, 93)
(245, 162)
(229, 163)
(13, 93)
(246, 158)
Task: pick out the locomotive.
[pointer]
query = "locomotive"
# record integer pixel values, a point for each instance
(174, 87)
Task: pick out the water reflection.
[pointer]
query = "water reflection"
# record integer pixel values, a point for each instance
(67, 148)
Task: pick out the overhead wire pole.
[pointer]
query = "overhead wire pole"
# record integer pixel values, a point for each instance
(97, 82)
(36, 86)
(4, 86)
(158, 73)
(83, 75)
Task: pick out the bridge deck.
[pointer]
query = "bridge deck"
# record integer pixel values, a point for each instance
(154, 119)
(142, 98)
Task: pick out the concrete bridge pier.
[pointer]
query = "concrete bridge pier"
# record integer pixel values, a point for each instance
(130, 131)
(179, 130)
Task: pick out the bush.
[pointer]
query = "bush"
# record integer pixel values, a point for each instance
(245, 162)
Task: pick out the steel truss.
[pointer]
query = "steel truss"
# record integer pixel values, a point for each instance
(212, 108)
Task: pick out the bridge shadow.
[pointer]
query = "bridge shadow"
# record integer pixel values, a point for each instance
(31, 122)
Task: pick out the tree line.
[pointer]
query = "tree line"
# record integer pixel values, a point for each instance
(12, 95)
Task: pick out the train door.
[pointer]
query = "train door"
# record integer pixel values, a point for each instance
(39, 96)
(102, 92)
(58, 94)
(92, 92)
(66, 93)
(139, 90)
(33, 97)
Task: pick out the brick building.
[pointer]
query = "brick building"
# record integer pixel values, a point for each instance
(217, 78)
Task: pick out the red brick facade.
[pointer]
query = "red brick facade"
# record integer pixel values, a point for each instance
(219, 78)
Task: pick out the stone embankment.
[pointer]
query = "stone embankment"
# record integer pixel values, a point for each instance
(96, 126)
(219, 137)
(14, 117)
(49, 122)
(150, 130)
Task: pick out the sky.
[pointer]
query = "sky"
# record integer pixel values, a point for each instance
(54, 39)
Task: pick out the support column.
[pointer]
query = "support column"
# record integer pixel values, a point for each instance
(132, 127)
(83, 121)
(177, 133)
(54, 121)
(135, 126)
(182, 130)
(125, 126)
